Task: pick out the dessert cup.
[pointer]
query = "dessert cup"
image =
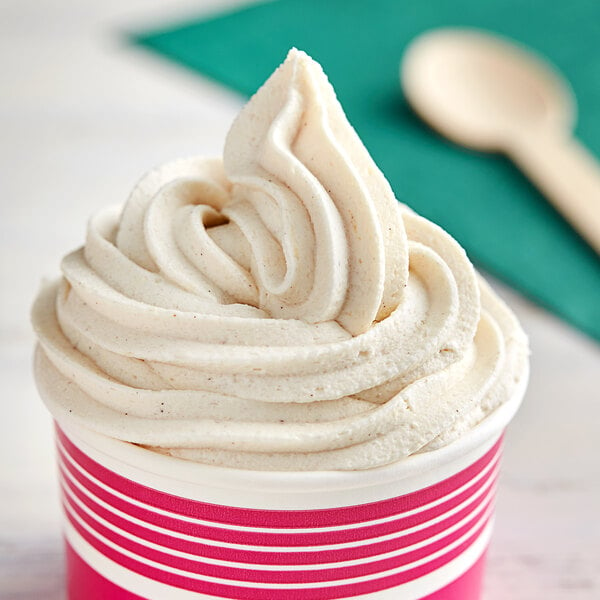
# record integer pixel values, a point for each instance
(139, 524)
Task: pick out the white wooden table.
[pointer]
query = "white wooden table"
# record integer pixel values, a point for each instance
(82, 116)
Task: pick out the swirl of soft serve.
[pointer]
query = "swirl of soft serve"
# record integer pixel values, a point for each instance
(277, 310)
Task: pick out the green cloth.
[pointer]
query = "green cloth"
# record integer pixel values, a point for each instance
(506, 226)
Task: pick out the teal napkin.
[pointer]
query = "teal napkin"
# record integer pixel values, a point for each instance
(506, 226)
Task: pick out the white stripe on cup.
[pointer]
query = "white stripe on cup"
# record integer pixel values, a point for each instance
(282, 586)
(391, 536)
(153, 590)
(269, 567)
(492, 464)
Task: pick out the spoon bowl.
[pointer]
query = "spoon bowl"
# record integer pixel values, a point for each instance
(481, 90)
(491, 94)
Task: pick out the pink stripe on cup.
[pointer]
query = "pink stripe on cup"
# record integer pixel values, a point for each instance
(243, 592)
(296, 555)
(275, 518)
(254, 554)
(85, 582)
(266, 538)
(271, 576)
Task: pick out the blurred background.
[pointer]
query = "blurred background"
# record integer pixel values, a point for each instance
(89, 104)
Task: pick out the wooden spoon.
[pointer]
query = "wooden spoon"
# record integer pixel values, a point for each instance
(490, 94)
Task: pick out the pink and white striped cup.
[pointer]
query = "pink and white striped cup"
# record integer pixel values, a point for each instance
(142, 525)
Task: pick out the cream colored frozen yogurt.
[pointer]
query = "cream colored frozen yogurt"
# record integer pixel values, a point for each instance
(278, 309)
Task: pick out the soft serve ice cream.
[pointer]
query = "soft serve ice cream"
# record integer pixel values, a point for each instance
(278, 309)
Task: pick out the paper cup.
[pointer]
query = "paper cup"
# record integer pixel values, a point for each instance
(142, 525)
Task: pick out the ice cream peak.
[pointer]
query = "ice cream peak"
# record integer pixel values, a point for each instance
(277, 309)
(326, 237)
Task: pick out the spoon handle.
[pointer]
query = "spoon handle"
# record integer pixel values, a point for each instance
(567, 174)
